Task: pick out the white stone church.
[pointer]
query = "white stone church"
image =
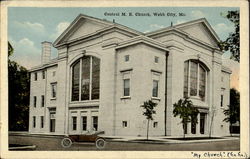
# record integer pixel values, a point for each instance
(104, 72)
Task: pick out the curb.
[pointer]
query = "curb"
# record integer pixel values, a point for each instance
(37, 135)
(172, 141)
(33, 147)
(146, 142)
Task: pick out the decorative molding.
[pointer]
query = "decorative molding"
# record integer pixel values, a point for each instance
(156, 71)
(126, 70)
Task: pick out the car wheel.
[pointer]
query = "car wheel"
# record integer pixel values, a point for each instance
(66, 142)
(100, 143)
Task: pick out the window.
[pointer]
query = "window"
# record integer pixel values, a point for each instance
(155, 124)
(35, 76)
(126, 87)
(34, 121)
(124, 124)
(194, 79)
(42, 101)
(52, 121)
(34, 100)
(95, 122)
(155, 88)
(43, 74)
(42, 121)
(221, 100)
(202, 122)
(126, 58)
(74, 122)
(156, 59)
(53, 90)
(84, 123)
(75, 81)
(53, 73)
(95, 78)
(86, 79)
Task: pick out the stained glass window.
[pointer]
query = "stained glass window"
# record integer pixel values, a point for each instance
(194, 79)
(85, 78)
(75, 81)
(186, 79)
(202, 82)
(89, 67)
(95, 78)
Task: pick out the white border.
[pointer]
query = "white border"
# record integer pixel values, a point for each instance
(244, 76)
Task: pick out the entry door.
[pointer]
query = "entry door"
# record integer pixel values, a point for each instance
(52, 125)
(52, 121)
(95, 122)
(202, 123)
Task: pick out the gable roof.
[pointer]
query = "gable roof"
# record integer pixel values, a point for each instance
(181, 27)
(106, 25)
(202, 21)
(206, 33)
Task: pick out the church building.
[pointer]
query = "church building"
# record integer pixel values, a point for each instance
(104, 72)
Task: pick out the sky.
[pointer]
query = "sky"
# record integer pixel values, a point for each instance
(29, 26)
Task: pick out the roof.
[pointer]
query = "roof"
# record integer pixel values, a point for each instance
(139, 37)
(52, 62)
(108, 24)
(201, 20)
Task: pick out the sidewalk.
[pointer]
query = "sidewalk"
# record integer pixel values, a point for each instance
(169, 139)
(142, 139)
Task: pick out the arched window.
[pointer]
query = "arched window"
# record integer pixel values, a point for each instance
(195, 76)
(86, 79)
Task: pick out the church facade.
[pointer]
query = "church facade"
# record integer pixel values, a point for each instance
(104, 72)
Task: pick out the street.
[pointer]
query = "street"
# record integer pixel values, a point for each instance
(50, 144)
(125, 146)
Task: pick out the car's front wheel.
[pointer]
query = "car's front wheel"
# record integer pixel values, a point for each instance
(100, 143)
(66, 142)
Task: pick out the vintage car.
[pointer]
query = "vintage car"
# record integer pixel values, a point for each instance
(92, 137)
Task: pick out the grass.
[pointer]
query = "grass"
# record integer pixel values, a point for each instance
(194, 138)
(148, 140)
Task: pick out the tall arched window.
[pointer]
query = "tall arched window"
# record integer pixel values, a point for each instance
(195, 76)
(86, 79)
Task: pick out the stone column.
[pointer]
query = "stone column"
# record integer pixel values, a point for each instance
(79, 122)
(188, 128)
(198, 125)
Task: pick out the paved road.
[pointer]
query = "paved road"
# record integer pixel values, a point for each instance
(125, 146)
(47, 144)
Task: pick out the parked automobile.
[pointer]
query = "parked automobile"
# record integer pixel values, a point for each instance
(92, 137)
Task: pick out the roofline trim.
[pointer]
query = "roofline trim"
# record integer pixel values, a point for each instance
(142, 39)
(110, 24)
(42, 67)
(201, 20)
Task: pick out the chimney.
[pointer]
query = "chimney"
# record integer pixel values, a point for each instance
(46, 51)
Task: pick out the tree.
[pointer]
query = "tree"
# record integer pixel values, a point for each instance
(149, 111)
(18, 85)
(185, 109)
(232, 43)
(232, 113)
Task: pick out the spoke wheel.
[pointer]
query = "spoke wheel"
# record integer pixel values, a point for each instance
(66, 142)
(100, 143)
